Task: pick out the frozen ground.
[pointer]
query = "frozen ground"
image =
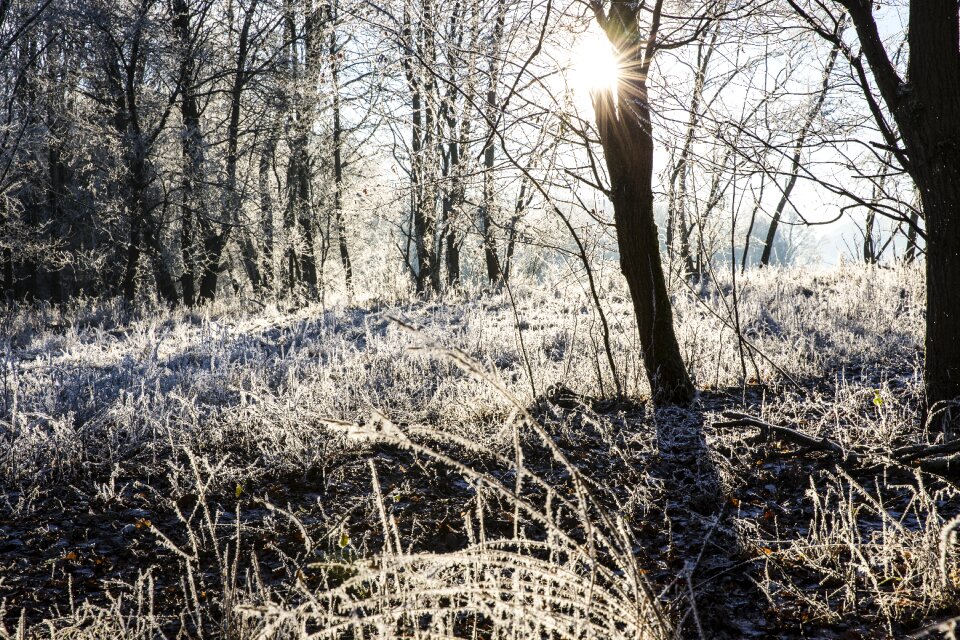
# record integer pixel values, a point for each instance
(446, 468)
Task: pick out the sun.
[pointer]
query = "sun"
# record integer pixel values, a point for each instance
(595, 63)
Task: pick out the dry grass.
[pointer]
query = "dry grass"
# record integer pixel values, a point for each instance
(206, 414)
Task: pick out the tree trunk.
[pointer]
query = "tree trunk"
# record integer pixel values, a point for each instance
(128, 287)
(192, 205)
(7, 288)
(869, 246)
(798, 150)
(421, 121)
(338, 165)
(266, 210)
(927, 113)
(166, 287)
(677, 190)
(215, 241)
(911, 250)
(489, 152)
(626, 135)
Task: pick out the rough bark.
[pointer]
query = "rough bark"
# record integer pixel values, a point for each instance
(926, 109)
(192, 207)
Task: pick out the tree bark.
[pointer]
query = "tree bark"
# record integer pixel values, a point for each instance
(338, 162)
(626, 134)
(927, 112)
(488, 207)
(215, 241)
(192, 207)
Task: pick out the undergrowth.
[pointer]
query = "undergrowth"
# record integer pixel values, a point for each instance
(435, 469)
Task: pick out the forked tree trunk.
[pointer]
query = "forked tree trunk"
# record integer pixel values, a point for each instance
(216, 240)
(626, 136)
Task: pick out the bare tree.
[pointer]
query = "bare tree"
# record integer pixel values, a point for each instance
(815, 107)
(626, 133)
(922, 128)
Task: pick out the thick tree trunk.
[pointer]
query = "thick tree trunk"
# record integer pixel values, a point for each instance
(166, 287)
(933, 109)
(189, 275)
(213, 246)
(942, 207)
(192, 204)
(927, 113)
(248, 252)
(128, 287)
(305, 218)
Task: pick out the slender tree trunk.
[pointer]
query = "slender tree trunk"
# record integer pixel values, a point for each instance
(58, 181)
(488, 207)
(626, 135)
(677, 192)
(428, 54)
(338, 164)
(421, 263)
(910, 252)
(523, 201)
(7, 290)
(266, 210)
(798, 151)
(753, 219)
(869, 247)
(216, 241)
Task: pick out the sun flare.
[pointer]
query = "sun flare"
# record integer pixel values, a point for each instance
(596, 65)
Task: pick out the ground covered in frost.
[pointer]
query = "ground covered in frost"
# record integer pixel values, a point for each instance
(449, 467)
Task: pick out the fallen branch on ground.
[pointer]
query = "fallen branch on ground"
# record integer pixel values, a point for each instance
(735, 419)
(928, 458)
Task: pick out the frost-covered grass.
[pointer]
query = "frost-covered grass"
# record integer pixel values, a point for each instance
(186, 426)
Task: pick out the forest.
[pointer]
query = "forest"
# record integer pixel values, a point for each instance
(507, 319)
